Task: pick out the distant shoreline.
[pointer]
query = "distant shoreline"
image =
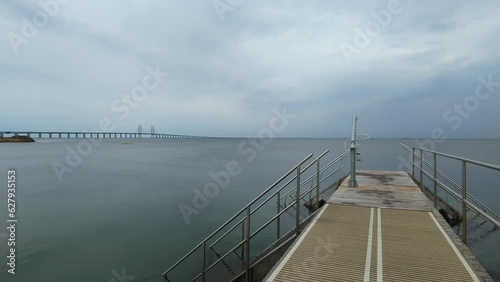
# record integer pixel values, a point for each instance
(17, 139)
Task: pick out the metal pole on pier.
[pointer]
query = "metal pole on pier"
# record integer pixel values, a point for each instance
(352, 181)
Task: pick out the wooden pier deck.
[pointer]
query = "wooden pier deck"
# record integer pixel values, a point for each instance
(384, 230)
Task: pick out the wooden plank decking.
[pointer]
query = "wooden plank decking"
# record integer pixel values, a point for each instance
(384, 230)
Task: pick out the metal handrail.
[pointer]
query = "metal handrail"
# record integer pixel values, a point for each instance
(457, 187)
(471, 205)
(483, 164)
(277, 215)
(440, 173)
(269, 221)
(463, 196)
(229, 231)
(281, 179)
(474, 199)
(275, 193)
(236, 215)
(326, 167)
(290, 193)
(290, 181)
(245, 220)
(342, 156)
(284, 186)
(279, 190)
(314, 187)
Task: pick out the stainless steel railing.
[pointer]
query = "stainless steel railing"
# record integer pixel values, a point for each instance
(460, 192)
(314, 177)
(454, 185)
(243, 218)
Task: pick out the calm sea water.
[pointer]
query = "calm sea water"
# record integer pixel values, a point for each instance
(118, 210)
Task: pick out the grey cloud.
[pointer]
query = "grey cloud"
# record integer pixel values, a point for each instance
(227, 76)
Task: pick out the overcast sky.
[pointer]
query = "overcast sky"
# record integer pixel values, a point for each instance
(230, 65)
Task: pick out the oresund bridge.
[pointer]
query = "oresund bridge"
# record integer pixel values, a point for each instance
(103, 135)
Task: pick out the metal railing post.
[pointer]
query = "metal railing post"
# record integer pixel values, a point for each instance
(297, 203)
(421, 170)
(203, 274)
(247, 253)
(435, 181)
(318, 167)
(278, 219)
(413, 163)
(464, 204)
(243, 246)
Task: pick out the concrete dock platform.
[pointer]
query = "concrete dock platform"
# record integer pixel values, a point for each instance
(384, 230)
